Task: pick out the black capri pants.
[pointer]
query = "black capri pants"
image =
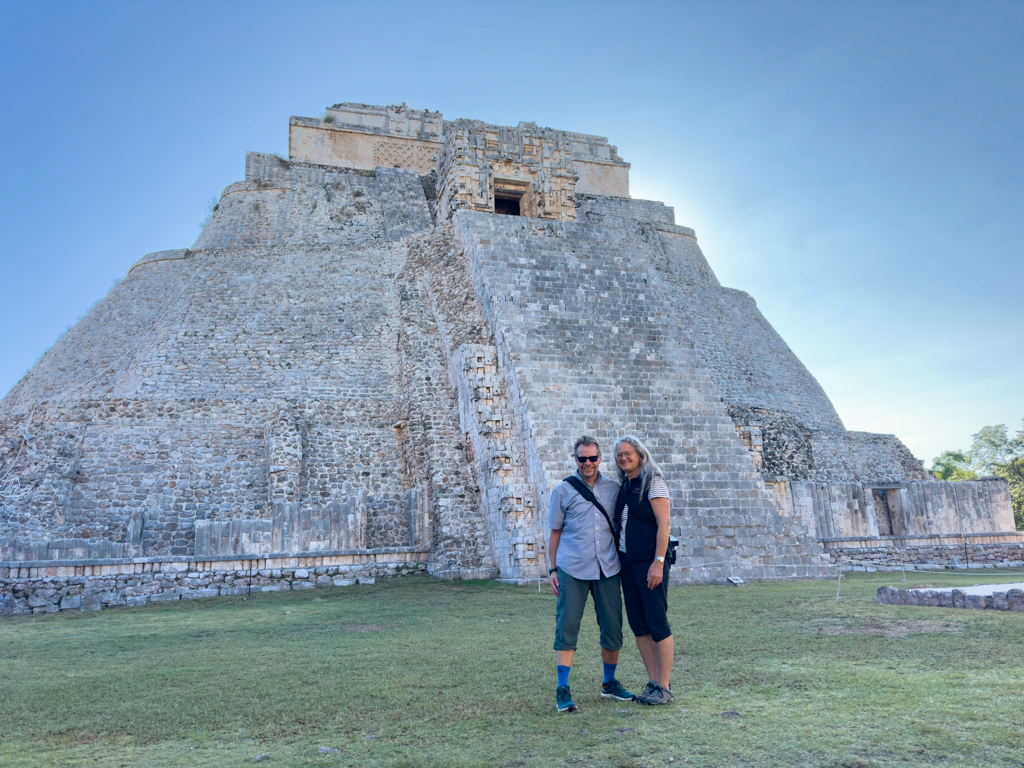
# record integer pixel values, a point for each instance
(646, 609)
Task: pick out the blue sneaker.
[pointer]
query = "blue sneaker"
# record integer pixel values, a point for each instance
(614, 690)
(563, 700)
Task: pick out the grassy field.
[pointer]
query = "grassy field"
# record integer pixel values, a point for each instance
(418, 672)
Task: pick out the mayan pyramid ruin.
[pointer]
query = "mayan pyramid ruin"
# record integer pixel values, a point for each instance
(374, 360)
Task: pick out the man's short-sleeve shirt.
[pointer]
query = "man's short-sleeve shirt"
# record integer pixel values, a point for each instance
(586, 548)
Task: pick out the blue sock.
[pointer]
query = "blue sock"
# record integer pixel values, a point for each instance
(609, 672)
(563, 675)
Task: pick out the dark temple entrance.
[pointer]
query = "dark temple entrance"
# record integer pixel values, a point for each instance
(507, 205)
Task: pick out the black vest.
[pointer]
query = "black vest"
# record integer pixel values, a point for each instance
(641, 525)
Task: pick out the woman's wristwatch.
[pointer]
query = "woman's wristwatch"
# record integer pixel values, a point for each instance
(660, 559)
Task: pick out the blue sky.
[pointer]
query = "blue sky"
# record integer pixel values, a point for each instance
(856, 166)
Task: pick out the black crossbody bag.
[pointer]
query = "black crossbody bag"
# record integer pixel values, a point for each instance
(586, 493)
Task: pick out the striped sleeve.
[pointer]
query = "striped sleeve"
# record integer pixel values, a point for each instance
(659, 488)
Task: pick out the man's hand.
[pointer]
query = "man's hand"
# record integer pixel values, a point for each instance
(655, 574)
(553, 539)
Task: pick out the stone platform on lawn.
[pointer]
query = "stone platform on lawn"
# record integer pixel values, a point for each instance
(1000, 597)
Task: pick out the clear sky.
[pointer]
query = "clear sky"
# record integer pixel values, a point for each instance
(858, 167)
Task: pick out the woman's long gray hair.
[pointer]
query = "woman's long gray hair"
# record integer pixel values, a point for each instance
(648, 466)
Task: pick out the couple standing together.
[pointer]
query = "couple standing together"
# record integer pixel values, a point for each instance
(610, 540)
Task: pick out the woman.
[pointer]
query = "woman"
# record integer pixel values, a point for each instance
(643, 521)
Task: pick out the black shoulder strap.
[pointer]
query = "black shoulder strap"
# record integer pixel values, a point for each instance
(587, 494)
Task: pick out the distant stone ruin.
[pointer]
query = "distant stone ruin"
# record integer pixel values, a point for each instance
(374, 361)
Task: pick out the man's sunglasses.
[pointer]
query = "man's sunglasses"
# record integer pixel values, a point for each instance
(585, 459)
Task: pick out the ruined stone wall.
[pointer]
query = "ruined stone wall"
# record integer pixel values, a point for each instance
(779, 445)
(956, 555)
(278, 372)
(91, 588)
(863, 455)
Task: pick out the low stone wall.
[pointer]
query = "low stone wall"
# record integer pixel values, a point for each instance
(935, 555)
(1011, 600)
(46, 588)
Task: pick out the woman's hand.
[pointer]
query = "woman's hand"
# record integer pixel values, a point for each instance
(655, 574)
(663, 515)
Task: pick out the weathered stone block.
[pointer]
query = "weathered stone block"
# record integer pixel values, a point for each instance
(974, 602)
(71, 602)
(91, 602)
(196, 593)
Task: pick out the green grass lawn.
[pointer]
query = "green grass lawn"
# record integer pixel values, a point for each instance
(418, 672)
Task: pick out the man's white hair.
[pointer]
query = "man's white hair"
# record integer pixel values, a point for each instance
(648, 466)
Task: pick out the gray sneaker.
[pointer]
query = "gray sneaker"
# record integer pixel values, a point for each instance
(660, 695)
(563, 700)
(647, 691)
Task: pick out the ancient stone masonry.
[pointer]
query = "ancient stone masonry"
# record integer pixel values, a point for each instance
(374, 361)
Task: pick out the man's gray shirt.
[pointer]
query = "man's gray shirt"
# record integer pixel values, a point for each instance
(586, 548)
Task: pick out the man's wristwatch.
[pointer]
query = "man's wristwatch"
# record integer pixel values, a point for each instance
(660, 559)
(551, 570)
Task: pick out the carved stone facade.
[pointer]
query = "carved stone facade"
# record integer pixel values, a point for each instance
(376, 357)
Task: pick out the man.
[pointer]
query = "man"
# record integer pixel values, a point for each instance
(581, 551)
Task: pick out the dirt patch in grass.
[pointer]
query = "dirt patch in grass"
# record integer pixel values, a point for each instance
(892, 629)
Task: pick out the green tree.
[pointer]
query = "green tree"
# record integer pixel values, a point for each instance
(993, 447)
(953, 465)
(993, 452)
(1013, 471)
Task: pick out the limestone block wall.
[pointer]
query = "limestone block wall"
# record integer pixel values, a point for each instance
(856, 510)
(596, 207)
(602, 178)
(941, 553)
(749, 362)
(617, 365)
(782, 414)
